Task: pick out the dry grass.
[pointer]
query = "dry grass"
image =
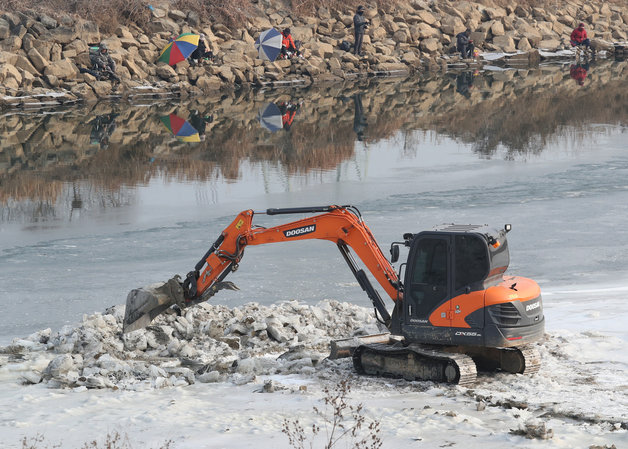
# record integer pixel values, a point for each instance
(107, 14)
(232, 13)
(111, 441)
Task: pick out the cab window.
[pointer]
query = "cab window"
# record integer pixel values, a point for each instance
(471, 260)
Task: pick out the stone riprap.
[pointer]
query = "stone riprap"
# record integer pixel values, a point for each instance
(38, 51)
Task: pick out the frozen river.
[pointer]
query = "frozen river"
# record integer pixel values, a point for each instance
(100, 199)
(564, 190)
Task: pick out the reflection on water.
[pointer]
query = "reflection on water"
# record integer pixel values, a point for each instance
(52, 161)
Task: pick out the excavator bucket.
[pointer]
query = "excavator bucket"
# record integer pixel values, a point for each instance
(144, 304)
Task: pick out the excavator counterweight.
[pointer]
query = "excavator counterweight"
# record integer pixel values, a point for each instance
(455, 310)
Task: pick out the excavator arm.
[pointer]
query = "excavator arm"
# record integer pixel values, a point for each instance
(341, 225)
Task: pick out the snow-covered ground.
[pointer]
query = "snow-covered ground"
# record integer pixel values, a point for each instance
(150, 396)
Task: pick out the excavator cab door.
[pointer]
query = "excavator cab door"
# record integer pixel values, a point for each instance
(427, 286)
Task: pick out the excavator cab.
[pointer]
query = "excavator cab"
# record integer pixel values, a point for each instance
(455, 291)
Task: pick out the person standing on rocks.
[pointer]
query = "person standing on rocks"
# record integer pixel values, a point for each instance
(464, 45)
(359, 23)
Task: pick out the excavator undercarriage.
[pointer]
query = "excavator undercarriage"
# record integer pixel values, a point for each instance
(387, 356)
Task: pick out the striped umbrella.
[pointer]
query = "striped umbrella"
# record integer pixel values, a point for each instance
(270, 117)
(268, 44)
(179, 49)
(181, 128)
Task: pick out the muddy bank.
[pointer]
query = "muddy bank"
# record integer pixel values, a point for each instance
(40, 53)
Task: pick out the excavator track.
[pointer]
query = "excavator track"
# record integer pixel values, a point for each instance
(522, 360)
(531, 359)
(414, 362)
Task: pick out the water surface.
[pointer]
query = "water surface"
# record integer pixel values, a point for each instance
(97, 200)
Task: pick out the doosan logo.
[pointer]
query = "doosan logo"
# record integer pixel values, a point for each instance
(299, 231)
(536, 305)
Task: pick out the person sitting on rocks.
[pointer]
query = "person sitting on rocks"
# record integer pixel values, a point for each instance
(464, 45)
(359, 24)
(103, 65)
(579, 37)
(202, 52)
(288, 48)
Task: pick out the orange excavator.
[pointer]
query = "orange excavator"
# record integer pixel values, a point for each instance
(455, 310)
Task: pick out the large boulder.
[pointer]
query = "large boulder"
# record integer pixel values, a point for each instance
(167, 73)
(495, 13)
(452, 25)
(10, 76)
(504, 43)
(427, 17)
(7, 57)
(23, 63)
(11, 44)
(63, 69)
(322, 49)
(60, 35)
(426, 31)
(523, 44)
(497, 29)
(599, 44)
(550, 44)
(163, 25)
(5, 29)
(134, 70)
(37, 59)
(430, 45)
(87, 31)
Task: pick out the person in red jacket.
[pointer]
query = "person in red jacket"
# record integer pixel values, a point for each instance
(288, 47)
(579, 37)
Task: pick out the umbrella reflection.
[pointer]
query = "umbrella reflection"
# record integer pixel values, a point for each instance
(271, 118)
(278, 116)
(181, 128)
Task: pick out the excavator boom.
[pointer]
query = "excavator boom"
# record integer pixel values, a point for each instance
(341, 225)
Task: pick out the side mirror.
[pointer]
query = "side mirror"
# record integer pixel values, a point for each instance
(507, 227)
(394, 253)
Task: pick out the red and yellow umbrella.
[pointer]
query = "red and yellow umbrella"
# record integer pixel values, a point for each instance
(179, 49)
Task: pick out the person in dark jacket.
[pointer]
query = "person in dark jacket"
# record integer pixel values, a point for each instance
(202, 51)
(579, 37)
(464, 45)
(359, 23)
(102, 64)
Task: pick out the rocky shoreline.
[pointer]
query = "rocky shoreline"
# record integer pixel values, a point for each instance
(40, 54)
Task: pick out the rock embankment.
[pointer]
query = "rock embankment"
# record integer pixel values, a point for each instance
(39, 53)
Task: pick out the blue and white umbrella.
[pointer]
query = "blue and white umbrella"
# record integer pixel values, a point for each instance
(268, 44)
(270, 117)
